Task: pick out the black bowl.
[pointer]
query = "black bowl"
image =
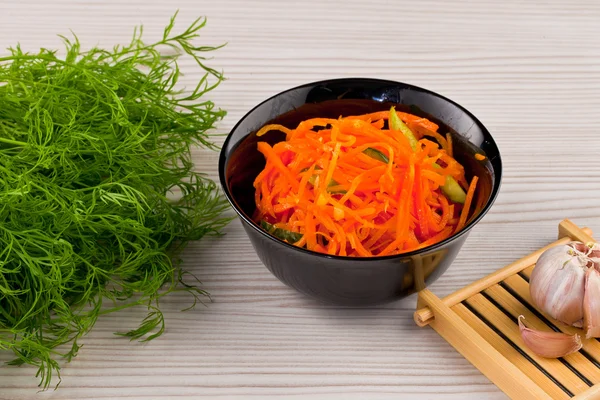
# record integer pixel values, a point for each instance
(354, 281)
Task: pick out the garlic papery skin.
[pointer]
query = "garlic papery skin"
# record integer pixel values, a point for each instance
(591, 303)
(559, 283)
(549, 344)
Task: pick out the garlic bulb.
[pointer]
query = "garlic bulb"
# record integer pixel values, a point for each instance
(565, 284)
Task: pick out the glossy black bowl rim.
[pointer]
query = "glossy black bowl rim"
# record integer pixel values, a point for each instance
(464, 231)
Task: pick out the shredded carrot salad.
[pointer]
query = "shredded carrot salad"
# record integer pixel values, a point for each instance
(369, 185)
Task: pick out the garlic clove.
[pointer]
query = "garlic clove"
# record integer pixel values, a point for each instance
(591, 303)
(549, 344)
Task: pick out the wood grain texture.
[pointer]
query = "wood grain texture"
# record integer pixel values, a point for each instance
(529, 71)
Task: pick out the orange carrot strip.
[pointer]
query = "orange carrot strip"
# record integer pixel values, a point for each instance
(433, 176)
(273, 127)
(360, 178)
(465, 211)
(446, 214)
(332, 164)
(444, 234)
(383, 115)
(424, 122)
(403, 215)
(358, 246)
(378, 124)
(412, 241)
(304, 181)
(274, 158)
(423, 131)
(310, 231)
(406, 117)
(374, 238)
(441, 140)
(429, 147)
(433, 204)
(352, 213)
(360, 128)
(419, 202)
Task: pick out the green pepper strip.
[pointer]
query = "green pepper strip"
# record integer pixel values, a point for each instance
(452, 189)
(288, 236)
(376, 154)
(396, 124)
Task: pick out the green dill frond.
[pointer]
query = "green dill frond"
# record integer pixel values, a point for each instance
(92, 147)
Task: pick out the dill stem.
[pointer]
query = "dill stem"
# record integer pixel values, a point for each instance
(10, 141)
(120, 307)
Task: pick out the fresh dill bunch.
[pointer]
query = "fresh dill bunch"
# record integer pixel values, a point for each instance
(98, 192)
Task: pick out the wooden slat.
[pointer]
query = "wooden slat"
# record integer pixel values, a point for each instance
(479, 352)
(424, 316)
(521, 287)
(527, 271)
(510, 353)
(516, 308)
(592, 393)
(509, 328)
(568, 229)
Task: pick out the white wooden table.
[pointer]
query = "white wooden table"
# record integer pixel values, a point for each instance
(530, 72)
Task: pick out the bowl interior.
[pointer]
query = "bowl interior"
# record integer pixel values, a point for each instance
(241, 162)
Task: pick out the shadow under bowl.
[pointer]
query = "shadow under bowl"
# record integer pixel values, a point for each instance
(354, 281)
